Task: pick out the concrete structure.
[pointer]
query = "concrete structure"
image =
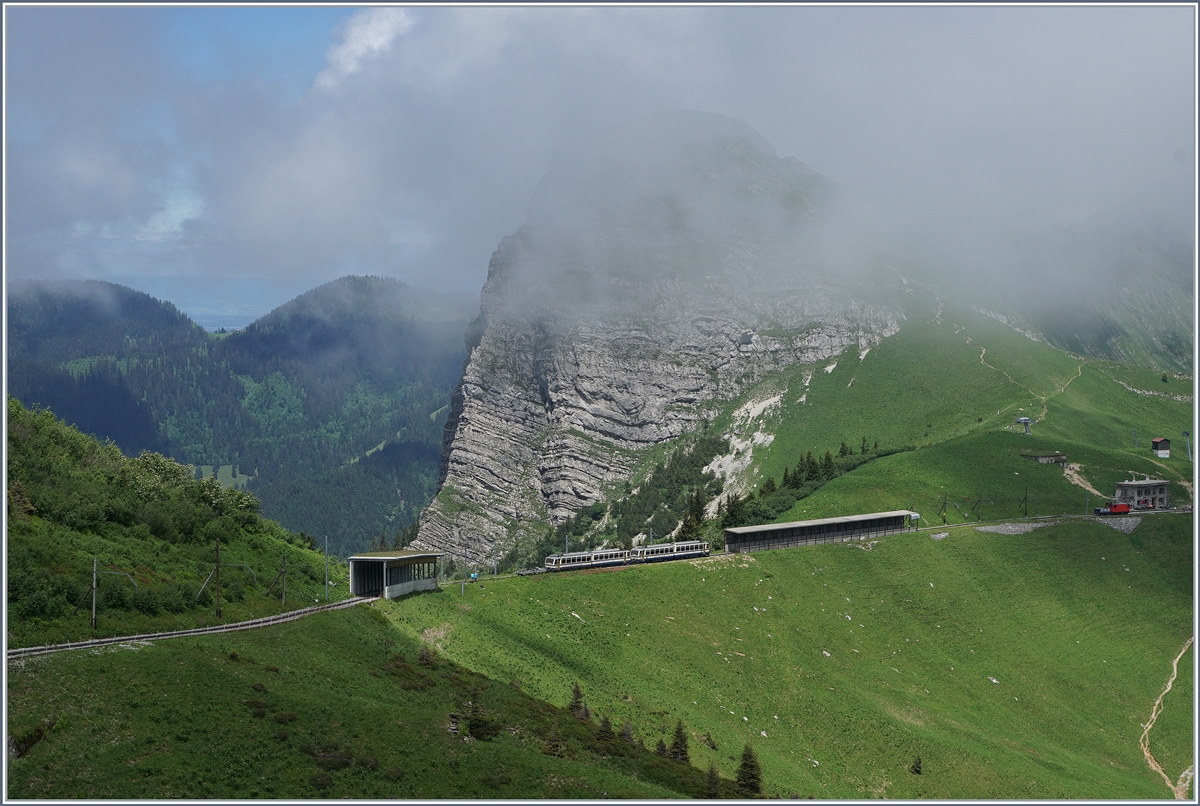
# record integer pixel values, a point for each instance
(1161, 447)
(1145, 494)
(742, 539)
(1046, 458)
(392, 574)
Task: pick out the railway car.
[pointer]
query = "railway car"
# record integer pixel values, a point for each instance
(600, 558)
(669, 551)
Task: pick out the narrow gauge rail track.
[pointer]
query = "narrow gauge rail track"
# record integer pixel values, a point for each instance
(266, 621)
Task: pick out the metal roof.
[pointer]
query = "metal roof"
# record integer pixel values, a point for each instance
(396, 555)
(1141, 482)
(767, 527)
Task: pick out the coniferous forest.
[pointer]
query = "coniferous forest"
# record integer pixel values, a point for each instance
(330, 408)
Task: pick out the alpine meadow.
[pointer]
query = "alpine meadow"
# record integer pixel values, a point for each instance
(612, 451)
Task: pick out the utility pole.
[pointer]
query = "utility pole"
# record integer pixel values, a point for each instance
(283, 587)
(218, 570)
(94, 560)
(326, 568)
(1135, 442)
(1025, 502)
(1188, 437)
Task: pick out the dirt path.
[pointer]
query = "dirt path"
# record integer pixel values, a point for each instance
(1180, 788)
(1073, 476)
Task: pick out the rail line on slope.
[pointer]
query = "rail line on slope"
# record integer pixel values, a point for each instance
(266, 621)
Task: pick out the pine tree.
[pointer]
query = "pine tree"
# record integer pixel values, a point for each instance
(844, 450)
(749, 774)
(864, 446)
(712, 783)
(576, 703)
(812, 469)
(915, 769)
(604, 733)
(627, 733)
(660, 748)
(876, 445)
(767, 487)
(787, 477)
(696, 505)
(679, 744)
(827, 471)
(735, 512)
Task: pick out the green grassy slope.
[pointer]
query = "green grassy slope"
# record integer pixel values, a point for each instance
(71, 498)
(736, 647)
(267, 713)
(951, 384)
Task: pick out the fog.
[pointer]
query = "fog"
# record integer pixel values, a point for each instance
(293, 146)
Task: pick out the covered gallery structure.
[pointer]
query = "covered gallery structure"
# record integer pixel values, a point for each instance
(741, 539)
(393, 573)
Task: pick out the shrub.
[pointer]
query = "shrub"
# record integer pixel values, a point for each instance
(284, 717)
(321, 780)
(281, 735)
(259, 687)
(394, 774)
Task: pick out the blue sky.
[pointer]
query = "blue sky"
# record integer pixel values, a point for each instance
(282, 45)
(296, 145)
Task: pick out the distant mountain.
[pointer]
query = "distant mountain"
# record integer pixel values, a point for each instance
(1118, 286)
(287, 407)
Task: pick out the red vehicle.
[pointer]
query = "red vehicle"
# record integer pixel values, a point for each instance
(1113, 509)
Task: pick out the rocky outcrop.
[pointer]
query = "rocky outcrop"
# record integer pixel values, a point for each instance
(630, 322)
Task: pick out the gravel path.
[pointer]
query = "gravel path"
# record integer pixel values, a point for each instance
(1011, 528)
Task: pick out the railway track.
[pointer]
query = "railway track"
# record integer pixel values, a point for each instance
(266, 621)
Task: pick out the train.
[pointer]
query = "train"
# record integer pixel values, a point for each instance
(1113, 509)
(601, 558)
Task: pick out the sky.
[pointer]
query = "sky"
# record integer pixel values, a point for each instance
(229, 158)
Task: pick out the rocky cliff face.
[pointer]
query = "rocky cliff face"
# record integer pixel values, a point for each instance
(652, 284)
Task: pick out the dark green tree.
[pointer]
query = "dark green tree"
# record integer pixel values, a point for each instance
(864, 446)
(712, 783)
(915, 769)
(660, 748)
(735, 512)
(767, 487)
(844, 450)
(749, 774)
(576, 704)
(827, 469)
(679, 744)
(604, 733)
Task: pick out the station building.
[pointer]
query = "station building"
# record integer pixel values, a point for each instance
(1145, 494)
(392, 574)
(741, 539)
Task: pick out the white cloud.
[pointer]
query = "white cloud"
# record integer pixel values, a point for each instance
(366, 34)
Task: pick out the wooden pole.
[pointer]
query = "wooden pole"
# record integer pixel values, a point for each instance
(283, 587)
(94, 593)
(218, 571)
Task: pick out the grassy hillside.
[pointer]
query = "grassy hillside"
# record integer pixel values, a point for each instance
(71, 498)
(954, 382)
(854, 662)
(335, 705)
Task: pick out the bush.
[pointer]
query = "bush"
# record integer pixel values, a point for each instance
(284, 717)
(321, 780)
(146, 601)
